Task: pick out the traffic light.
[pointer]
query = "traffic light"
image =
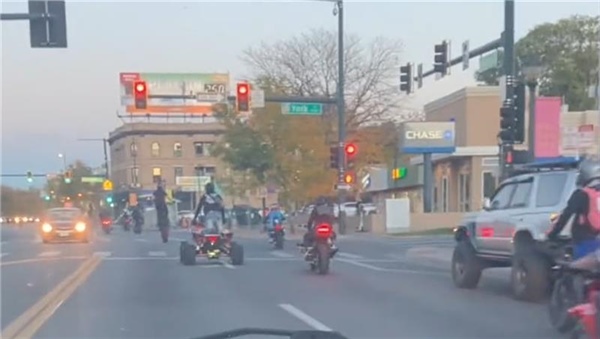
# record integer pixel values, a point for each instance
(68, 177)
(440, 64)
(140, 94)
(334, 157)
(349, 177)
(243, 97)
(351, 151)
(507, 125)
(47, 197)
(406, 78)
(109, 199)
(29, 176)
(520, 103)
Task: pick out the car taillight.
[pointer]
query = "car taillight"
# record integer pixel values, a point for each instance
(323, 231)
(212, 238)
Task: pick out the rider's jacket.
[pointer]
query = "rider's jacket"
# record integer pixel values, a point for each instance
(212, 202)
(272, 216)
(319, 215)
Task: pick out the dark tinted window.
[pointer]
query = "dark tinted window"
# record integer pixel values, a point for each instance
(550, 189)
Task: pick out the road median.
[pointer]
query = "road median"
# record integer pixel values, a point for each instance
(28, 323)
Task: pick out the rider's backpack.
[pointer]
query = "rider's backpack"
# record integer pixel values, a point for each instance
(593, 216)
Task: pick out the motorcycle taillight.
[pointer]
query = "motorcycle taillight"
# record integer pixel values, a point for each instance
(278, 228)
(212, 238)
(323, 231)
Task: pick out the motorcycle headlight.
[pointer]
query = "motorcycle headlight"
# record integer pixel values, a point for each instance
(46, 228)
(80, 227)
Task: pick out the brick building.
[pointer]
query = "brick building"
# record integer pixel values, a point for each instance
(143, 153)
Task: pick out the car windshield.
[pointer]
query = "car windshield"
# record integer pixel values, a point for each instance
(229, 108)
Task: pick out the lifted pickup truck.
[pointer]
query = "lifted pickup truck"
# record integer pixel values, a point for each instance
(511, 230)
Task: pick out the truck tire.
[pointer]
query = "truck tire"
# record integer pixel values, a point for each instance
(530, 276)
(466, 267)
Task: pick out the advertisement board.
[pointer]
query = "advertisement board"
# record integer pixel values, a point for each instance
(428, 137)
(547, 127)
(179, 93)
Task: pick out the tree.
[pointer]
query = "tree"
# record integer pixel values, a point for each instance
(306, 65)
(568, 49)
(16, 202)
(77, 191)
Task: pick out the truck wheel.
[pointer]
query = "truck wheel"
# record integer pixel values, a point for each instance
(466, 267)
(237, 254)
(530, 276)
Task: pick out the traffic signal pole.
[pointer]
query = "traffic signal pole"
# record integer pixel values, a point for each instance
(341, 113)
(508, 38)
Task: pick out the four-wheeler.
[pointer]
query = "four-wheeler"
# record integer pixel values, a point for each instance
(211, 244)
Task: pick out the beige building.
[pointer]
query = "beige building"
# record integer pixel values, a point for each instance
(144, 153)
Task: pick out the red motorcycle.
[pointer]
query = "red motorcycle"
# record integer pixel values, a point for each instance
(106, 225)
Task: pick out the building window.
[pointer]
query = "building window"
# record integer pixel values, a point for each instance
(202, 149)
(156, 175)
(445, 194)
(489, 182)
(205, 171)
(177, 150)
(435, 199)
(135, 174)
(464, 193)
(178, 172)
(133, 149)
(155, 149)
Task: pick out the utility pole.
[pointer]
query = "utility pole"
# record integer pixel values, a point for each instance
(506, 147)
(341, 109)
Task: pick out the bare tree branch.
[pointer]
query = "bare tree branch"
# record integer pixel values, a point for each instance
(306, 65)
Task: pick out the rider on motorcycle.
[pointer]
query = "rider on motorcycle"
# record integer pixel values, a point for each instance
(211, 206)
(322, 213)
(275, 215)
(584, 234)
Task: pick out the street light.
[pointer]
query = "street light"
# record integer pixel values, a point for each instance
(64, 159)
(531, 74)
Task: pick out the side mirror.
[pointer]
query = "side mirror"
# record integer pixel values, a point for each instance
(487, 204)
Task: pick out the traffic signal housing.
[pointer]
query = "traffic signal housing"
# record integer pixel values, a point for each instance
(29, 176)
(507, 125)
(440, 60)
(243, 97)
(351, 150)
(406, 78)
(68, 177)
(334, 157)
(520, 102)
(140, 94)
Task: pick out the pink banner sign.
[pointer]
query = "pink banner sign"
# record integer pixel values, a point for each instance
(547, 127)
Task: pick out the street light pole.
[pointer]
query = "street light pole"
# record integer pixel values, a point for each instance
(341, 110)
(104, 143)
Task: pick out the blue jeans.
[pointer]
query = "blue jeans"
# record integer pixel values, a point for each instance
(584, 248)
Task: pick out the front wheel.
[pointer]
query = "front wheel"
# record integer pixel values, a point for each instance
(466, 267)
(564, 295)
(530, 276)
(323, 258)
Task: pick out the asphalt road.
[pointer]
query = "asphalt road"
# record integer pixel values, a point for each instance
(126, 286)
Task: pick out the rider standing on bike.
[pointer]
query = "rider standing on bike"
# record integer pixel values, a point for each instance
(162, 212)
(584, 230)
(211, 207)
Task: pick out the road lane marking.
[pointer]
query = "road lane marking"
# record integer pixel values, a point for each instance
(305, 318)
(360, 264)
(103, 254)
(229, 266)
(350, 255)
(177, 239)
(139, 258)
(28, 323)
(140, 239)
(37, 260)
(49, 254)
(157, 254)
(281, 254)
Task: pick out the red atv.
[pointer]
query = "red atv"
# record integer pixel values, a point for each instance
(210, 244)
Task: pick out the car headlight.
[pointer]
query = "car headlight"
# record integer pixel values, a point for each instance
(46, 228)
(80, 227)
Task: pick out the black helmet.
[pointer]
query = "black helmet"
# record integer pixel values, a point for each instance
(589, 170)
(209, 188)
(321, 201)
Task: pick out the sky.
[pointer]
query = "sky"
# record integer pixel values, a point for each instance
(50, 98)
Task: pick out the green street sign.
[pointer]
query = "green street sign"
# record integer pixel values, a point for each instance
(293, 108)
(92, 180)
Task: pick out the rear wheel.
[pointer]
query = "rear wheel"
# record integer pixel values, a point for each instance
(530, 275)
(279, 241)
(237, 254)
(323, 258)
(188, 254)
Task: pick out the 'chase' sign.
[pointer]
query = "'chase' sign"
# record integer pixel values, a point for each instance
(428, 137)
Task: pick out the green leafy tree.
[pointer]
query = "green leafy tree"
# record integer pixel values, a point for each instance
(16, 202)
(76, 190)
(568, 49)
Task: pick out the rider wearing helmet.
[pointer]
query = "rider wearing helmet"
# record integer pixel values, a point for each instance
(322, 213)
(211, 206)
(584, 235)
(274, 215)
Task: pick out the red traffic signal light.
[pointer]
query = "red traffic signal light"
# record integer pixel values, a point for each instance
(351, 150)
(140, 94)
(243, 97)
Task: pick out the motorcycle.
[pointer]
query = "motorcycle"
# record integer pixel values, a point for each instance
(277, 235)
(322, 250)
(126, 222)
(137, 228)
(106, 225)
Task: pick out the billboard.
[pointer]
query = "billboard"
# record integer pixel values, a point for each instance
(428, 137)
(547, 127)
(179, 93)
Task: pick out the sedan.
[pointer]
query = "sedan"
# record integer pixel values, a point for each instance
(65, 224)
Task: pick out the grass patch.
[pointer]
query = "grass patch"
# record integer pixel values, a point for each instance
(435, 231)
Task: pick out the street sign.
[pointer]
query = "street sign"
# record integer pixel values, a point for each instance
(92, 180)
(257, 99)
(192, 184)
(465, 54)
(342, 187)
(107, 185)
(293, 108)
(490, 60)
